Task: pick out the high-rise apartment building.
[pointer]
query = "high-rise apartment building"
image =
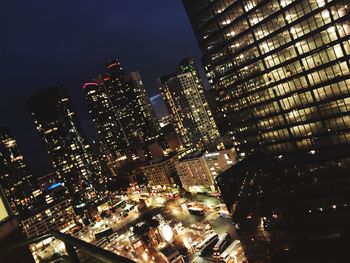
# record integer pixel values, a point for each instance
(104, 117)
(184, 96)
(149, 124)
(121, 111)
(122, 97)
(59, 128)
(280, 71)
(15, 177)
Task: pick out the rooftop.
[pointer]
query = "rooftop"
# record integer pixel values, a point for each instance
(168, 251)
(193, 155)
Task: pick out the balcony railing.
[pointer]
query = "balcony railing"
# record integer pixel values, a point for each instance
(73, 246)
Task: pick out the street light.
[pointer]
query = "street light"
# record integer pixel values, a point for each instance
(167, 233)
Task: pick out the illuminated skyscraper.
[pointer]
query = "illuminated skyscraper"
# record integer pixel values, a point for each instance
(149, 124)
(184, 96)
(61, 133)
(104, 117)
(121, 111)
(15, 177)
(280, 71)
(120, 93)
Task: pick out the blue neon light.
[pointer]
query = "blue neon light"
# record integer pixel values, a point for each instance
(54, 186)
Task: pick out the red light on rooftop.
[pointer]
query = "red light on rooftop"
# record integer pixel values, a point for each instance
(90, 84)
(112, 65)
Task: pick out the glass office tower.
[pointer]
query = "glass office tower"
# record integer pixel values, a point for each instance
(59, 128)
(280, 71)
(104, 117)
(121, 111)
(143, 108)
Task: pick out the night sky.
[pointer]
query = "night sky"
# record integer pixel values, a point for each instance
(46, 43)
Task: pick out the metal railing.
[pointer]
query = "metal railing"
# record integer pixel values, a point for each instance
(73, 244)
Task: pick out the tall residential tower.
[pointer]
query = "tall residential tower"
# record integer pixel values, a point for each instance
(104, 117)
(15, 177)
(184, 96)
(60, 131)
(121, 111)
(149, 123)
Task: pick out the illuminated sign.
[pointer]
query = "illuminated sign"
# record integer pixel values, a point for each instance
(54, 186)
(112, 65)
(90, 84)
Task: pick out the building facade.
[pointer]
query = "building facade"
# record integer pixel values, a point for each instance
(15, 176)
(11, 235)
(280, 71)
(59, 217)
(149, 124)
(104, 117)
(184, 96)
(122, 112)
(58, 126)
(50, 191)
(128, 96)
(160, 172)
(198, 171)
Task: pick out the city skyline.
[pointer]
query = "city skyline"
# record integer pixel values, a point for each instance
(49, 69)
(176, 131)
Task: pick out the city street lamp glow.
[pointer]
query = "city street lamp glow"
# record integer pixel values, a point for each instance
(167, 233)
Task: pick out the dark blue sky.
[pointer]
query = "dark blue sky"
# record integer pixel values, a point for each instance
(45, 43)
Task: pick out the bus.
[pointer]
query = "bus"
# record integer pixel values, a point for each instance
(113, 236)
(102, 242)
(207, 243)
(234, 253)
(104, 233)
(221, 244)
(121, 203)
(196, 211)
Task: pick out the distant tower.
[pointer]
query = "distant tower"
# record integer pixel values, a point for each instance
(104, 117)
(122, 112)
(184, 96)
(15, 177)
(119, 91)
(149, 124)
(60, 130)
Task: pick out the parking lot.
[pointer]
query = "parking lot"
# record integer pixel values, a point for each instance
(168, 226)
